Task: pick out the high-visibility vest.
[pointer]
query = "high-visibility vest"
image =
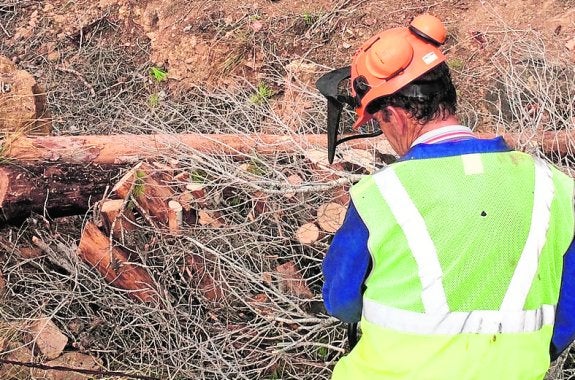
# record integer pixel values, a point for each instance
(467, 258)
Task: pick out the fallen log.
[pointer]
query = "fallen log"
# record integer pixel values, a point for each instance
(548, 142)
(117, 149)
(62, 175)
(51, 189)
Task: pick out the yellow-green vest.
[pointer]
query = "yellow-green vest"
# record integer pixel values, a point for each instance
(467, 256)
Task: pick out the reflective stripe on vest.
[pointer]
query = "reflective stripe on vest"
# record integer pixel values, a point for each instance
(422, 247)
(437, 319)
(458, 322)
(529, 261)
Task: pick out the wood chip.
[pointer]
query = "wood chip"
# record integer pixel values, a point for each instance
(291, 281)
(330, 216)
(307, 234)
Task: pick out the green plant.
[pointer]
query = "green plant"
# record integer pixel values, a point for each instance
(158, 74)
(322, 352)
(138, 189)
(198, 175)
(455, 63)
(263, 94)
(309, 18)
(154, 100)
(257, 167)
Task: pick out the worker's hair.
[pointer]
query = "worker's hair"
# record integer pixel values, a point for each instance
(440, 103)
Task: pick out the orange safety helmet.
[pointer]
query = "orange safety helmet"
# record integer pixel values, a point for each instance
(392, 59)
(383, 65)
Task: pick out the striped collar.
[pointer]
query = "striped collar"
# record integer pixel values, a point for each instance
(443, 134)
(456, 148)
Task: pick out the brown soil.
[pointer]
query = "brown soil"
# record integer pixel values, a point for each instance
(205, 43)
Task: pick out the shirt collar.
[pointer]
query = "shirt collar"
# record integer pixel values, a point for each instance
(456, 148)
(442, 134)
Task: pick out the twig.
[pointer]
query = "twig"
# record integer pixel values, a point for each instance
(80, 76)
(78, 370)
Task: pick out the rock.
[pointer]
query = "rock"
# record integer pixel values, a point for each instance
(23, 101)
(70, 360)
(47, 338)
(570, 45)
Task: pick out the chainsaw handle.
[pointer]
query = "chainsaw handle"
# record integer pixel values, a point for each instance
(352, 335)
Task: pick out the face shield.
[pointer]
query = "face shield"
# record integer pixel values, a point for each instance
(328, 86)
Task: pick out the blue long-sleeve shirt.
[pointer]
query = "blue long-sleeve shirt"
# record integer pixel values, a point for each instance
(348, 260)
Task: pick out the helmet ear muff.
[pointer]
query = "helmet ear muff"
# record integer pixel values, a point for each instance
(429, 28)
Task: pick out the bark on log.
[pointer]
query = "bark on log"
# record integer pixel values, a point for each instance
(53, 189)
(113, 264)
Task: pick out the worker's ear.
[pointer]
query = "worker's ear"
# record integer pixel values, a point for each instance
(397, 117)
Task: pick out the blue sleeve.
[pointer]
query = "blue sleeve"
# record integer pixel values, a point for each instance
(564, 330)
(345, 267)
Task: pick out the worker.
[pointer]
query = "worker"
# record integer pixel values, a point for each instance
(457, 259)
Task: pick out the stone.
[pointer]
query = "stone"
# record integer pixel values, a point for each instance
(22, 101)
(47, 338)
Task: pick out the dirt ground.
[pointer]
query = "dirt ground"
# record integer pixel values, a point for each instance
(92, 61)
(209, 43)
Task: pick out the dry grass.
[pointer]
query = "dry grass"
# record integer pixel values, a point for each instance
(258, 330)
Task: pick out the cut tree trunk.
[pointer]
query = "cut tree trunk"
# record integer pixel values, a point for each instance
(330, 216)
(113, 264)
(175, 216)
(307, 234)
(51, 189)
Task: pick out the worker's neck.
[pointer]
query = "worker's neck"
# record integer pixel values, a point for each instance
(415, 131)
(436, 124)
